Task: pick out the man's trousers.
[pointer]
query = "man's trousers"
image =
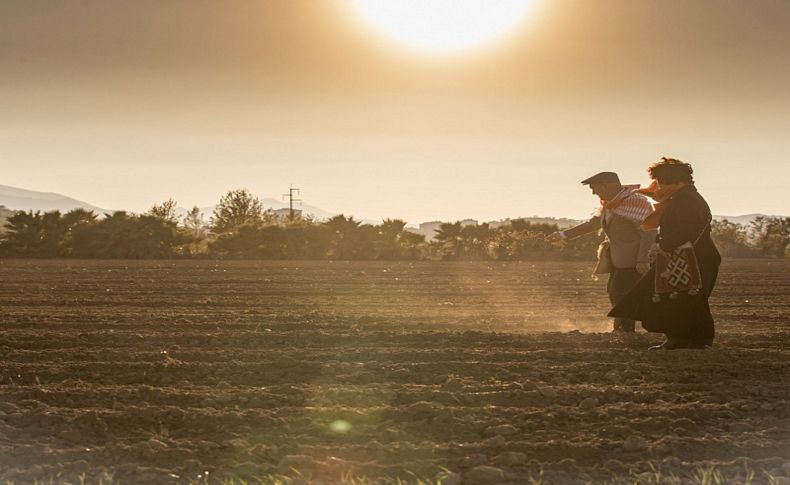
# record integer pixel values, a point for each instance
(621, 280)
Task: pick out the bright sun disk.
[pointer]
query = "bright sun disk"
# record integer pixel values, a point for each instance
(443, 26)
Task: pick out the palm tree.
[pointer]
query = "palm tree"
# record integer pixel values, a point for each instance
(448, 238)
(388, 236)
(34, 235)
(76, 222)
(474, 240)
(412, 245)
(23, 234)
(342, 235)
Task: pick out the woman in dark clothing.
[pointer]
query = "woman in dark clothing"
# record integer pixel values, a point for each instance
(682, 216)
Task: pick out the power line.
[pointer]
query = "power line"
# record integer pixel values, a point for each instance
(291, 200)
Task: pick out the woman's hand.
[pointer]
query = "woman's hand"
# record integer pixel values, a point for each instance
(652, 253)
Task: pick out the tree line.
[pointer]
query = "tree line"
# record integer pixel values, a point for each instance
(240, 228)
(767, 237)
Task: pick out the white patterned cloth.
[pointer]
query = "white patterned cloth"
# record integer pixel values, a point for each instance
(628, 203)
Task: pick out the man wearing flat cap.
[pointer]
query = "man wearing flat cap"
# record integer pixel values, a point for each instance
(624, 252)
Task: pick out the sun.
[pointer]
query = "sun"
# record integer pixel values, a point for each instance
(443, 26)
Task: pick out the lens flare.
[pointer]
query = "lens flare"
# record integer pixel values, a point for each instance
(340, 426)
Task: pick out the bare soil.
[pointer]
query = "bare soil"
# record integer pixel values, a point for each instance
(159, 372)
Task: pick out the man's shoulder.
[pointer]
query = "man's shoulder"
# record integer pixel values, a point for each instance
(622, 218)
(636, 196)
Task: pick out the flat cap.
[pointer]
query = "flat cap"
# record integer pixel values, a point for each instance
(602, 178)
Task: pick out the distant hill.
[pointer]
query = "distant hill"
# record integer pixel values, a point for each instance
(428, 229)
(14, 198)
(317, 212)
(561, 222)
(744, 220)
(21, 199)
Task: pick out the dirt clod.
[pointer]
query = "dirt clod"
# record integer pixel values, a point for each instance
(502, 430)
(446, 478)
(510, 458)
(635, 443)
(484, 474)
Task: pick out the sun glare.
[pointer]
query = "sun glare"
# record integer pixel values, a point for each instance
(443, 26)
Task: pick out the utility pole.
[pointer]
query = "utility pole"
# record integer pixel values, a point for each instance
(291, 200)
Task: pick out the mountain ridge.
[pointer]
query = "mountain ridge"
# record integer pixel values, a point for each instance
(15, 198)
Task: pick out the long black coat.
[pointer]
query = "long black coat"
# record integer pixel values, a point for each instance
(687, 218)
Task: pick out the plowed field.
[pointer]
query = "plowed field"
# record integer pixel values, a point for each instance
(169, 372)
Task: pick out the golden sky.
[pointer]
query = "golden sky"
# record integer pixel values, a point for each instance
(127, 103)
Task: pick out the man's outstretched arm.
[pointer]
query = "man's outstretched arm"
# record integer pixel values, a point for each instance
(592, 225)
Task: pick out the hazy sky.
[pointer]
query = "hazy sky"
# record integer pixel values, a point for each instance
(127, 103)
